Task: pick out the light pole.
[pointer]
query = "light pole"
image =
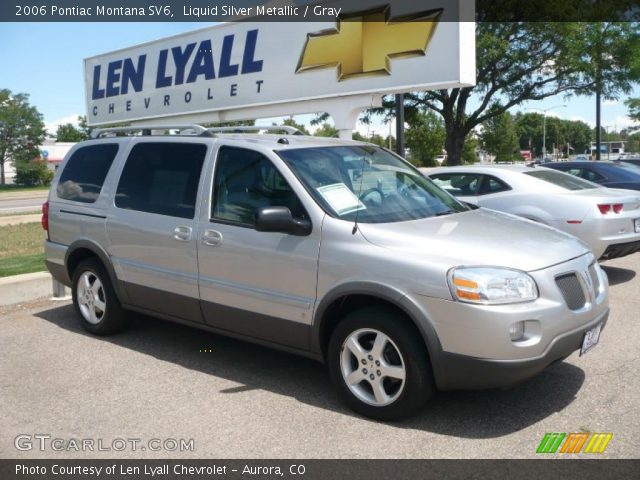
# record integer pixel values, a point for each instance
(544, 125)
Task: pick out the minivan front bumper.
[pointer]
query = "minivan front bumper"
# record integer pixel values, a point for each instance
(455, 371)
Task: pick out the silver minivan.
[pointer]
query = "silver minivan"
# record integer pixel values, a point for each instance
(336, 250)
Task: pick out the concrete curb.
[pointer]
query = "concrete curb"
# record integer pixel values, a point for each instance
(25, 288)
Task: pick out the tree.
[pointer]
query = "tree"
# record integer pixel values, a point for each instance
(234, 123)
(69, 133)
(32, 172)
(566, 135)
(516, 62)
(21, 129)
(290, 122)
(83, 127)
(634, 108)
(425, 139)
(499, 138)
(610, 63)
(326, 130)
(470, 149)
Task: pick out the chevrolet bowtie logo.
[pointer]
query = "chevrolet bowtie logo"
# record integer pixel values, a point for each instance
(364, 43)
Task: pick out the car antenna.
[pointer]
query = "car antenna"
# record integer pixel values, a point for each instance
(355, 225)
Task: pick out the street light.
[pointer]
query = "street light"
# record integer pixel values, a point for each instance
(544, 126)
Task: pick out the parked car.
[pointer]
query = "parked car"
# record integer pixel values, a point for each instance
(607, 220)
(607, 174)
(337, 250)
(581, 158)
(631, 161)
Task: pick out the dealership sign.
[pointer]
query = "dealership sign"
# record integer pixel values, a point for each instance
(234, 66)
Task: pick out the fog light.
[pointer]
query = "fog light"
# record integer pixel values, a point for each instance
(516, 331)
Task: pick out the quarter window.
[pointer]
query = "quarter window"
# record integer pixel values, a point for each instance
(84, 173)
(246, 181)
(162, 178)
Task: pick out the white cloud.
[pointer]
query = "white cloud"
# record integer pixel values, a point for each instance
(52, 125)
(609, 103)
(619, 122)
(579, 118)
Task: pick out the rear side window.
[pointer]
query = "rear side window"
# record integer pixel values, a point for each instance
(560, 179)
(84, 173)
(162, 178)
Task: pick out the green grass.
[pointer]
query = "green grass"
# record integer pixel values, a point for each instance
(21, 249)
(22, 264)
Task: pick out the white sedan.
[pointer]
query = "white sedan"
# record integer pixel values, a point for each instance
(608, 220)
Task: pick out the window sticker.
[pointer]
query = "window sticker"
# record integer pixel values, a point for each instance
(341, 199)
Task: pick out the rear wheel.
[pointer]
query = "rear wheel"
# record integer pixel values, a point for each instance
(95, 300)
(379, 364)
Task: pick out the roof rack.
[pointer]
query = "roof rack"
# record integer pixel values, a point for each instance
(256, 128)
(192, 130)
(147, 129)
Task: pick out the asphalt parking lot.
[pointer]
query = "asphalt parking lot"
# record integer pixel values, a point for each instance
(155, 381)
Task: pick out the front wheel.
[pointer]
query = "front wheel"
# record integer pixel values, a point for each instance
(95, 300)
(379, 364)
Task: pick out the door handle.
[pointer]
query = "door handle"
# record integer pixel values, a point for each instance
(213, 238)
(182, 233)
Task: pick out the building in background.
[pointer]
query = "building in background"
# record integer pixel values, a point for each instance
(54, 152)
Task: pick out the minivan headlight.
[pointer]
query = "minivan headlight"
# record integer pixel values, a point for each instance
(490, 286)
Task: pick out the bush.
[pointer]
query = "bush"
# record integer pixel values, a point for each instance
(33, 173)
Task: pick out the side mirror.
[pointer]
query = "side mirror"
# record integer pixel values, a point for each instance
(279, 219)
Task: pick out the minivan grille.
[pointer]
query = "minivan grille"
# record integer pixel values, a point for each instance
(571, 290)
(594, 278)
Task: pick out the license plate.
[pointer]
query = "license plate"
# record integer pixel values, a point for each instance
(636, 223)
(591, 338)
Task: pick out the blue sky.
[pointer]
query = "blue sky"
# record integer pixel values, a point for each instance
(45, 61)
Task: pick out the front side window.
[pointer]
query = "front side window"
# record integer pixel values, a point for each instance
(458, 184)
(591, 175)
(84, 173)
(368, 184)
(491, 184)
(162, 178)
(244, 182)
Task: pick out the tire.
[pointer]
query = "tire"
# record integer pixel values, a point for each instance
(386, 362)
(95, 300)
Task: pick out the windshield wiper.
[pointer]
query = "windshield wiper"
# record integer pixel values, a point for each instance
(445, 212)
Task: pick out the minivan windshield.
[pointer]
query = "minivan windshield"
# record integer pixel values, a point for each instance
(369, 183)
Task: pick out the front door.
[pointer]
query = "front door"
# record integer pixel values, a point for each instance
(258, 284)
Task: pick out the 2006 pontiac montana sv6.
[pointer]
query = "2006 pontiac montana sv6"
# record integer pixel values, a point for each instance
(337, 250)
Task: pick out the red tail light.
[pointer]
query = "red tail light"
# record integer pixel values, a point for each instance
(606, 208)
(45, 217)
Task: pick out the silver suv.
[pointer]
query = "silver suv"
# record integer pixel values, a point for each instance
(337, 250)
